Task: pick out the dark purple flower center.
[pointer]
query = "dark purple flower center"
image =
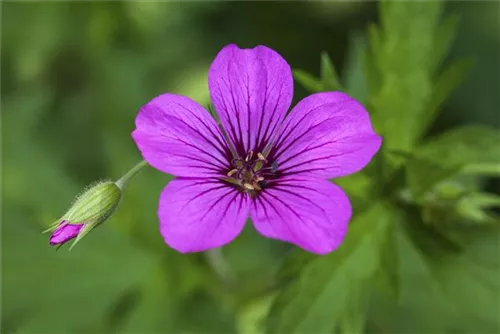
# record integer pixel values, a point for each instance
(252, 173)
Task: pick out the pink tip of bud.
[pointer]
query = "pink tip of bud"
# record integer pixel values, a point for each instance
(65, 232)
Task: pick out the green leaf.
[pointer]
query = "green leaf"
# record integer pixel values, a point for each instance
(472, 144)
(315, 302)
(355, 79)
(329, 77)
(468, 280)
(445, 83)
(443, 291)
(308, 81)
(450, 153)
(252, 316)
(401, 68)
(474, 207)
(354, 317)
(445, 35)
(388, 273)
(422, 175)
(486, 169)
(359, 187)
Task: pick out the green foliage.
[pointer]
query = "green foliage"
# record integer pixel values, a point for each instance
(402, 61)
(328, 80)
(443, 175)
(316, 302)
(421, 255)
(422, 261)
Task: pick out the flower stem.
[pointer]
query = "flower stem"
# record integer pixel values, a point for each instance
(123, 181)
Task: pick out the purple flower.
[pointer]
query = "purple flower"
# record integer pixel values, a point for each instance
(65, 232)
(258, 163)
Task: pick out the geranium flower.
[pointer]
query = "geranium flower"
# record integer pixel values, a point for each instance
(258, 162)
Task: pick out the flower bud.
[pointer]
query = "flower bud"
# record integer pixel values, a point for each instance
(65, 232)
(90, 209)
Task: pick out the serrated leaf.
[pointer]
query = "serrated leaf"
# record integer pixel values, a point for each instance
(401, 68)
(308, 81)
(315, 302)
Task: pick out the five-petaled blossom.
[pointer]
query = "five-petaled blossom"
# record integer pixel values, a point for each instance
(257, 163)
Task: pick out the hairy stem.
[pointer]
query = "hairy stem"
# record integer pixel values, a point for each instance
(123, 181)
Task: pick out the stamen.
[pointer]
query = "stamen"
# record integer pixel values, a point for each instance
(248, 186)
(249, 155)
(250, 173)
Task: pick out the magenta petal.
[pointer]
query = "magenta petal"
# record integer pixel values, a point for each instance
(65, 232)
(326, 135)
(178, 136)
(199, 214)
(251, 90)
(310, 213)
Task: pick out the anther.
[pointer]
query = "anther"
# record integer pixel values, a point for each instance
(261, 156)
(260, 178)
(248, 186)
(232, 172)
(249, 155)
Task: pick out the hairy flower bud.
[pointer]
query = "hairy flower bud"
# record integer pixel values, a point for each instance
(90, 209)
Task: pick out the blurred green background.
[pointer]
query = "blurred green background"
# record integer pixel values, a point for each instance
(74, 75)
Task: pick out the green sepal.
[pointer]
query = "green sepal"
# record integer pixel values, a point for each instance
(95, 204)
(83, 232)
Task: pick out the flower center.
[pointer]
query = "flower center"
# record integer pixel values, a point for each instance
(249, 173)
